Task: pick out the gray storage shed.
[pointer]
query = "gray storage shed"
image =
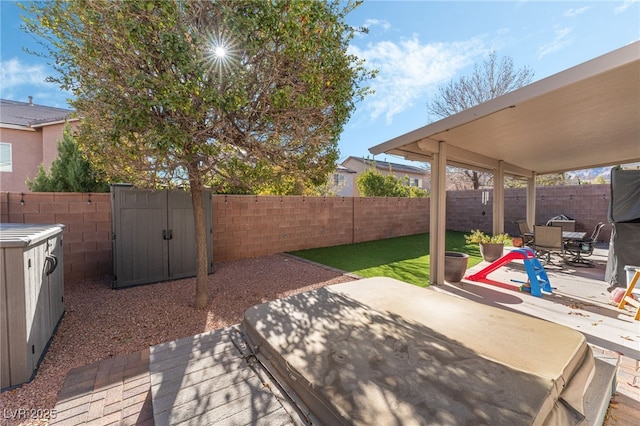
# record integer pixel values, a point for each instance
(153, 235)
(31, 296)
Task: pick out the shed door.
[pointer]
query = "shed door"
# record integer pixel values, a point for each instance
(154, 235)
(140, 253)
(182, 246)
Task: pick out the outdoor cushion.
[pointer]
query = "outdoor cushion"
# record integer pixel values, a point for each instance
(380, 351)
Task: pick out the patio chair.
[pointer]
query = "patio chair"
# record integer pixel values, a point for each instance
(547, 240)
(525, 233)
(583, 248)
(566, 225)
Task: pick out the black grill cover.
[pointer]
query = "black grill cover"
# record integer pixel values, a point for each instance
(624, 215)
(625, 196)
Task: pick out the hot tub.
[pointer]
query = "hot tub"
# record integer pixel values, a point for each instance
(380, 351)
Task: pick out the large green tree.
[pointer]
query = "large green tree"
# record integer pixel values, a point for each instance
(372, 183)
(192, 93)
(70, 172)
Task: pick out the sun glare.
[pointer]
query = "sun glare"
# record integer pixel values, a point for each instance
(220, 54)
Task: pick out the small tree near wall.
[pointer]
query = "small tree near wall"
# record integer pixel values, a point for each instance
(70, 172)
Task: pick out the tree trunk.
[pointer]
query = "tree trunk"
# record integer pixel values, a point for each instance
(202, 294)
(474, 177)
(476, 180)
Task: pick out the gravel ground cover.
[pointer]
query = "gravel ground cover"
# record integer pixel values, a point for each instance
(100, 322)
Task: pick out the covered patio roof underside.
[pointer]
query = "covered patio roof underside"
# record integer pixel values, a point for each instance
(584, 117)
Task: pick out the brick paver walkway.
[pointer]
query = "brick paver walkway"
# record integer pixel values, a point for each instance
(624, 408)
(115, 391)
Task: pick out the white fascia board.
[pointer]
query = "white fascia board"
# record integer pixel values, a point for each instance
(16, 127)
(473, 159)
(410, 155)
(459, 157)
(513, 170)
(51, 123)
(595, 166)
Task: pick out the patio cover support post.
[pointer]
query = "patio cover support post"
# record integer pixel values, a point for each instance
(438, 220)
(498, 199)
(531, 200)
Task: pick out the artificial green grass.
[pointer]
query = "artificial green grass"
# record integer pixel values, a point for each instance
(404, 258)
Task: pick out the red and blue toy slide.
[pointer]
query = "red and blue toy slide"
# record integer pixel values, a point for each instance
(538, 279)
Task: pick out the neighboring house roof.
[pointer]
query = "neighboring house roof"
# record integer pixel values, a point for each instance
(384, 165)
(28, 114)
(341, 168)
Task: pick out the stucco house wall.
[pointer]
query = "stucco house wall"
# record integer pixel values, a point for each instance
(26, 155)
(51, 134)
(33, 132)
(342, 182)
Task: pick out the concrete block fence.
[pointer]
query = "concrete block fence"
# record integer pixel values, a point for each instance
(251, 226)
(87, 233)
(586, 204)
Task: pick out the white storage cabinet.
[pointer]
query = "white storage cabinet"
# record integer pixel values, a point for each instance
(31, 296)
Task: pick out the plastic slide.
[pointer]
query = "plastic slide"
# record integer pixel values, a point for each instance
(538, 279)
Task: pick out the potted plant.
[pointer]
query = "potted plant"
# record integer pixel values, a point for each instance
(517, 241)
(455, 266)
(491, 247)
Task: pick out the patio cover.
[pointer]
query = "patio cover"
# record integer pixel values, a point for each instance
(584, 117)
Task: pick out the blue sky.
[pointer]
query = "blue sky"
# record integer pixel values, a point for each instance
(415, 45)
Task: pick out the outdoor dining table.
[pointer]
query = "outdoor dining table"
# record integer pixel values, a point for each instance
(566, 235)
(572, 235)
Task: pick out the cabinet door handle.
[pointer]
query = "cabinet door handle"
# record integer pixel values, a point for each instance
(51, 263)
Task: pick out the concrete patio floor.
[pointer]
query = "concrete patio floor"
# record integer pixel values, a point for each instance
(580, 300)
(119, 391)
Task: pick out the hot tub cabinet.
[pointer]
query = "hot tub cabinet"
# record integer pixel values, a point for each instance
(31, 296)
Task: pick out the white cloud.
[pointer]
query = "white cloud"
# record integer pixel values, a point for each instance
(14, 73)
(377, 22)
(20, 80)
(560, 40)
(626, 4)
(407, 69)
(570, 13)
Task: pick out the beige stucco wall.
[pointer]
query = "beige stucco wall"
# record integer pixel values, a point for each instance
(50, 136)
(29, 148)
(26, 155)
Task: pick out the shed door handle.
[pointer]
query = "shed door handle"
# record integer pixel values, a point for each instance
(167, 234)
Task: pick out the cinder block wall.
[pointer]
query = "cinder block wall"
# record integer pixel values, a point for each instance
(87, 233)
(587, 204)
(376, 218)
(249, 226)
